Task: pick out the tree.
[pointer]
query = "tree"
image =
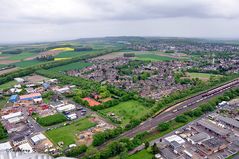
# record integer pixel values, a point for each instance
(155, 149)
(181, 119)
(163, 126)
(146, 144)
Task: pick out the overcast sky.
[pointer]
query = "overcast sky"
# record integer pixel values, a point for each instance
(49, 20)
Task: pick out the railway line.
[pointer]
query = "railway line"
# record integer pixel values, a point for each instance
(179, 108)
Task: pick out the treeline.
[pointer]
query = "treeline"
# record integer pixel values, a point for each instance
(45, 58)
(82, 48)
(3, 132)
(51, 120)
(17, 51)
(198, 70)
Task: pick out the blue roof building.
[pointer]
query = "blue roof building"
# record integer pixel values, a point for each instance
(13, 98)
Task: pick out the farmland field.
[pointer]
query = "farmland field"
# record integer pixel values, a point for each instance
(153, 57)
(67, 133)
(20, 56)
(71, 66)
(28, 63)
(127, 111)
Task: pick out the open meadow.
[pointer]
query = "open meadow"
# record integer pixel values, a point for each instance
(127, 111)
(67, 133)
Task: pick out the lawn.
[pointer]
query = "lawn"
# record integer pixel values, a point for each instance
(21, 56)
(153, 57)
(127, 111)
(8, 85)
(71, 66)
(28, 63)
(67, 133)
(144, 154)
(202, 76)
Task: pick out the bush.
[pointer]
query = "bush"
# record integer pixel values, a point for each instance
(181, 119)
(163, 126)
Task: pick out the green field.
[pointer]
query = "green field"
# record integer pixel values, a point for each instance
(153, 57)
(66, 54)
(20, 56)
(8, 85)
(71, 66)
(67, 133)
(27, 63)
(127, 111)
(2, 65)
(203, 76)
(144, 154)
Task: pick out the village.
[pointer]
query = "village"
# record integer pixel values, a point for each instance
(149, 79)
(37, 108)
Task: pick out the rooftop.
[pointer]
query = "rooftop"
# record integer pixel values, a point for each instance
(213, 127)
(229, 121)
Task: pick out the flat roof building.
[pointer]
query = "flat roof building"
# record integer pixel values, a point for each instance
(198, 138)
(213, 127)
(229, 121)
(30, 96)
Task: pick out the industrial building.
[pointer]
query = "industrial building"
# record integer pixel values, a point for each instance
(65, 108)
(229, 121)
(212, 145)
(213, 127)
(198, 138)
(12, 115)
(30, 97)
(14, 98)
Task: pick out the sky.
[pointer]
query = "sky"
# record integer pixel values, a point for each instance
(54, 20)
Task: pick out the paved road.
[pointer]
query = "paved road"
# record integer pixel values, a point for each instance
(173, 111)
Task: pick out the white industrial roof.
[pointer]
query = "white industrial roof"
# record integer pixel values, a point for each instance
(12, 115)
(5, 146)
(66, 107)
(26, 147)
(14, 120)
(176, 138)
(38, 138)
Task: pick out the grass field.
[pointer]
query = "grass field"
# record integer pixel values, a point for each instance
(66, 54)
(2, 65)
(153, 57)
(202, 76)
(67, 133)
(72, 66)
(28, 63)
(8, 85)
(21, 56)
(127, 111)
(144, 154)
